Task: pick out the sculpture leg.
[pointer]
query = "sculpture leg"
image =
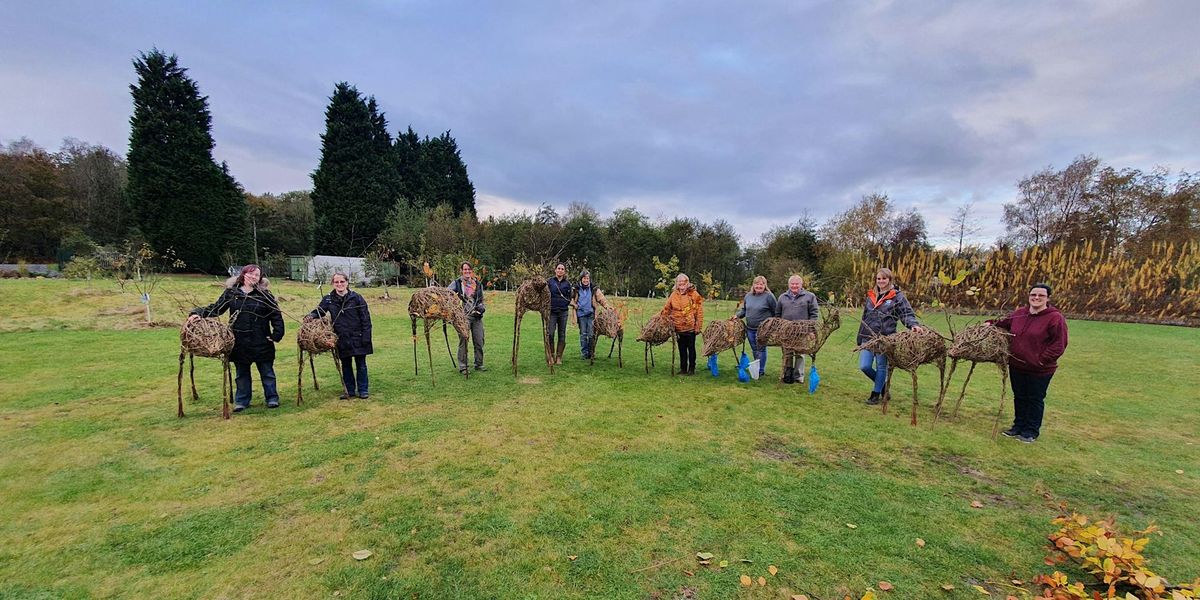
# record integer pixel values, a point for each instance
(226, 390)
(337, 365)
(546, 343)
(299, 375)
(914, 408)
(414, 336)
(313, 368)
(179, 386)
(429, 351)
(192, 366)
(446, 335)
(887, 388)
(937, 410)
(672, 355)
(516, 341)
(963, 393)
(1003, 388)
(646, 357)
(620, 343)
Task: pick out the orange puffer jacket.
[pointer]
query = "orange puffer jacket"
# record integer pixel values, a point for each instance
(686, 310)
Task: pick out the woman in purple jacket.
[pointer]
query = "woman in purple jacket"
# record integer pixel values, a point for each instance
(1039, 339)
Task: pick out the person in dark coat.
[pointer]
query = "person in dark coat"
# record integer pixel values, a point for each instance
(1039, 339)
(257, 326)
(470, 291)
(352, 324)
(560, 307)
(884, 306)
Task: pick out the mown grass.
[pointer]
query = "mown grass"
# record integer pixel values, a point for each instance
(484, 488)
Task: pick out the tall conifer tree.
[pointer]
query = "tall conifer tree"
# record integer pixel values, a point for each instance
(180, 198)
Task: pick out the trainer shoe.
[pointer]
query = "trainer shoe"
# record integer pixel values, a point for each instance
(364, 395)
(1026, 439)
(875, 399)
(481, 368)
(240, 407)
(1011, 432)
(273, 404)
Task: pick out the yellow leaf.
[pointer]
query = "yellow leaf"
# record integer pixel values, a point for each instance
(976, 504)
(1179, 471)
(851, 525)
(762, 581)
(920, 543)
(745, 579)
(572, 556)
(885, 586)
(947, 586)
(362, 555)
(772, 569)
(869, 595)
(980, 589)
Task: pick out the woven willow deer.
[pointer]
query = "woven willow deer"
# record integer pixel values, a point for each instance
(608, 324)
(316, 336)
(799, 337)
(658, 330)
(207, 338)
(437, 304)
(532, 295)
(982, 342)
(906, 351)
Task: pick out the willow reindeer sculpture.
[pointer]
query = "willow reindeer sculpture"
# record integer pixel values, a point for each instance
(316, 336)
(721, 335)
(906, 351)
(799, 338)
(206, 338)
(532, 295)
(658, 330)
(437, 304)
(610, 325)
(982, 342)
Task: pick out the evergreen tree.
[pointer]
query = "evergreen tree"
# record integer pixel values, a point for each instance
(443, 176)
(354, 187)
(180, 198)
(406, 154)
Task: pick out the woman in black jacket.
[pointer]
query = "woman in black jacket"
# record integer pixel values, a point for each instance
(352, 324)
(885, 305)
(257, 326)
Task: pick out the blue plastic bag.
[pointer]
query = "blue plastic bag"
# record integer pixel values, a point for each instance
(814, 379)
(712, 365)
(742, 368)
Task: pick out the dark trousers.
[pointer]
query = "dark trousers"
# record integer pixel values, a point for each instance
(242, 382)
(558, 323)
(476, 326)
(1029, 401)
(355, 386)
(687, 351)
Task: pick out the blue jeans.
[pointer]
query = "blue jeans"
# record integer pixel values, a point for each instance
(761, 355)
(355, 386)
(585, 334)
(242, 383)
(879, 373)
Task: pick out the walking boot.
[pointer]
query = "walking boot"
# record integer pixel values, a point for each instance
(874, 399)
(789, 375)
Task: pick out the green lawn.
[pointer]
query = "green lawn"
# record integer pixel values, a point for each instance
(487, 488)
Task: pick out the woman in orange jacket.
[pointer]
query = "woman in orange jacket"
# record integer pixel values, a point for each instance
(685, 308)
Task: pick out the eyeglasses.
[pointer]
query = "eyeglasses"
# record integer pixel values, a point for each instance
(1039, 295)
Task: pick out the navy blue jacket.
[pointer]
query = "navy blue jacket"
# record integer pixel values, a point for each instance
(351, 322)
(560, 294)
(881, 313)
(255, 321)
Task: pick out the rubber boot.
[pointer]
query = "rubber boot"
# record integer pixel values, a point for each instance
(789, 375)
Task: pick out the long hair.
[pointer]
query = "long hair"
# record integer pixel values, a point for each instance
(240, 278)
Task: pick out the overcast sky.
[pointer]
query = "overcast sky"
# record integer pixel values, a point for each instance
(753, 112)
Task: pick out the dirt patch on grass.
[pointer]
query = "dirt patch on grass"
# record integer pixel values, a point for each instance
(961, 465)
(529, 381)
(121, 310)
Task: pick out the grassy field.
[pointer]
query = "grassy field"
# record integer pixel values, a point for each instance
(597, 482)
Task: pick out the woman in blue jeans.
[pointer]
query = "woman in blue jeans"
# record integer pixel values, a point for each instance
(758, 306)
(257, 326)
(352, 323)
(884, 306)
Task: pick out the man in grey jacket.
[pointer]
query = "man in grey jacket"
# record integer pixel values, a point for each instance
(796, 304)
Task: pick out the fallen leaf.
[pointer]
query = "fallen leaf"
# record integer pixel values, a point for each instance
(976, 504)
(799, 597)
(885, 586)
(724, 564)
(315, 561)
(1018, 582)
(1179, 471)
(762, 581)
(1011, 598)
(337, 593)
(572, 556)
(851, 525)
(745, 579)
(362, 555)
(947, 586)
(920, 543)
(870, 595)
(706, 562)
(704, 555)
(746, 560)
(772, 569)
(979, 588)
(689, 573)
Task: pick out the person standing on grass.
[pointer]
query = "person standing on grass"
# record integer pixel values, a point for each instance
(1039, 338)
(796, 304)
(758, 306)
(685, 308)
(560, 305)
(585, 301)
(885, 305)
(470, 291)
(257, 326)
(351, 320)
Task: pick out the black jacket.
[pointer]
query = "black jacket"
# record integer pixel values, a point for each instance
(473, 305)
(881, 313)
(255, 320)
(560, 294)
(351, 322)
